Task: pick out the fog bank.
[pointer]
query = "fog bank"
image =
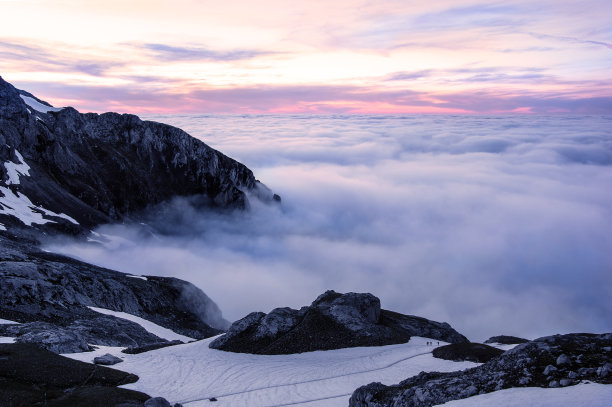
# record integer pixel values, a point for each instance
(493, 224)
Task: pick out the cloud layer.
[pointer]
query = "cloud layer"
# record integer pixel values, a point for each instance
(493, 224)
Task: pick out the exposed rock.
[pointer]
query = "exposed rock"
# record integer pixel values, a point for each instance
(56, 290)
(506, 340)
(332, 321)
(522, 366)
(107, 360)
(31, 376)
(157, 402)
(472, 352)
(132, 350)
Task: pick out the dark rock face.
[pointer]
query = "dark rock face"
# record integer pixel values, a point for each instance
(100, 168)
(506, 340)
(49, 294)
(30, 376)
(332, 321)
(553, 361)
(471, 352)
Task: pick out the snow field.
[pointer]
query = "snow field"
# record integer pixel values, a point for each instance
(581, 395)
(36, 105)
(193, 373)
(155, 329)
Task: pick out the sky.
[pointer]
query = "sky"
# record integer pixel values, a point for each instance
(315, 56)
(496, 225)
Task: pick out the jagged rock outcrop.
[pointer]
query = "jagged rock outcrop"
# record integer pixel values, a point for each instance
(506, 340)
(332, 321)
(553, 361)
(98, 168)
(50, 295)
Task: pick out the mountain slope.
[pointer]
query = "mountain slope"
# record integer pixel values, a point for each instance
(100, 168)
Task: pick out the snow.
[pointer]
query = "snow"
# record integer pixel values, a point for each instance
(7, 321)
(36, 105)
(139, 277)
(193, 373)
(18, 205)
(153, 328)
(6, 339)
(583, 395)
(14, 170)
(2, 227)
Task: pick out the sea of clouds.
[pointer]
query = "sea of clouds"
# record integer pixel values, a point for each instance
(497, 225)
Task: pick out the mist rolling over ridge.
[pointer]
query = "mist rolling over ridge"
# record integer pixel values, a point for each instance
(494, 224)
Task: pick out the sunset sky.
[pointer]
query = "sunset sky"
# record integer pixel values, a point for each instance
(342, 56)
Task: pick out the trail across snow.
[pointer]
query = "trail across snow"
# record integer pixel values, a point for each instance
(193, 373)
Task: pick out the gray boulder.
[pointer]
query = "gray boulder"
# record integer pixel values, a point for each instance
(107, 360)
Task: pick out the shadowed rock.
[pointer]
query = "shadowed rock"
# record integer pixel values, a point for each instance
(332, 321)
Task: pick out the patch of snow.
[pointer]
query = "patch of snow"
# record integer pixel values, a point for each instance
(14, 170)
(29, 111)
(20, 206)
(36, 105)
(502, 346)
(583, 395)
(139, 277)
(2, 227)
(6, 339)
(192, 373)
(7, 321)
(153, 328)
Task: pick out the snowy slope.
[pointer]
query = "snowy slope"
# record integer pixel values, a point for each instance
(16, 203)
(39, 107)
(582, 395)
(155, 329)
(193, 373)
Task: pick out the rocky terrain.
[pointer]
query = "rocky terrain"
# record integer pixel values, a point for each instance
(30, 376)
(63, 172)
(553, 361)
(471, 352)
(506, 340)
(332, 321)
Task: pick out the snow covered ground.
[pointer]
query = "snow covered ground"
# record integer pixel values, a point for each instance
(582, 395)
(193, 373)
(155, 329)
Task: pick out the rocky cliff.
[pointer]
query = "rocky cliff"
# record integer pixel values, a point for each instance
(97, 168)
(332, 321)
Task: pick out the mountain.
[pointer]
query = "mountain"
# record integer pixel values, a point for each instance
(62, 171)
(69, 171)
(332, 321)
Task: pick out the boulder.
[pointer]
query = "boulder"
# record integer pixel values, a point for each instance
(107, 360)
(332, 321)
